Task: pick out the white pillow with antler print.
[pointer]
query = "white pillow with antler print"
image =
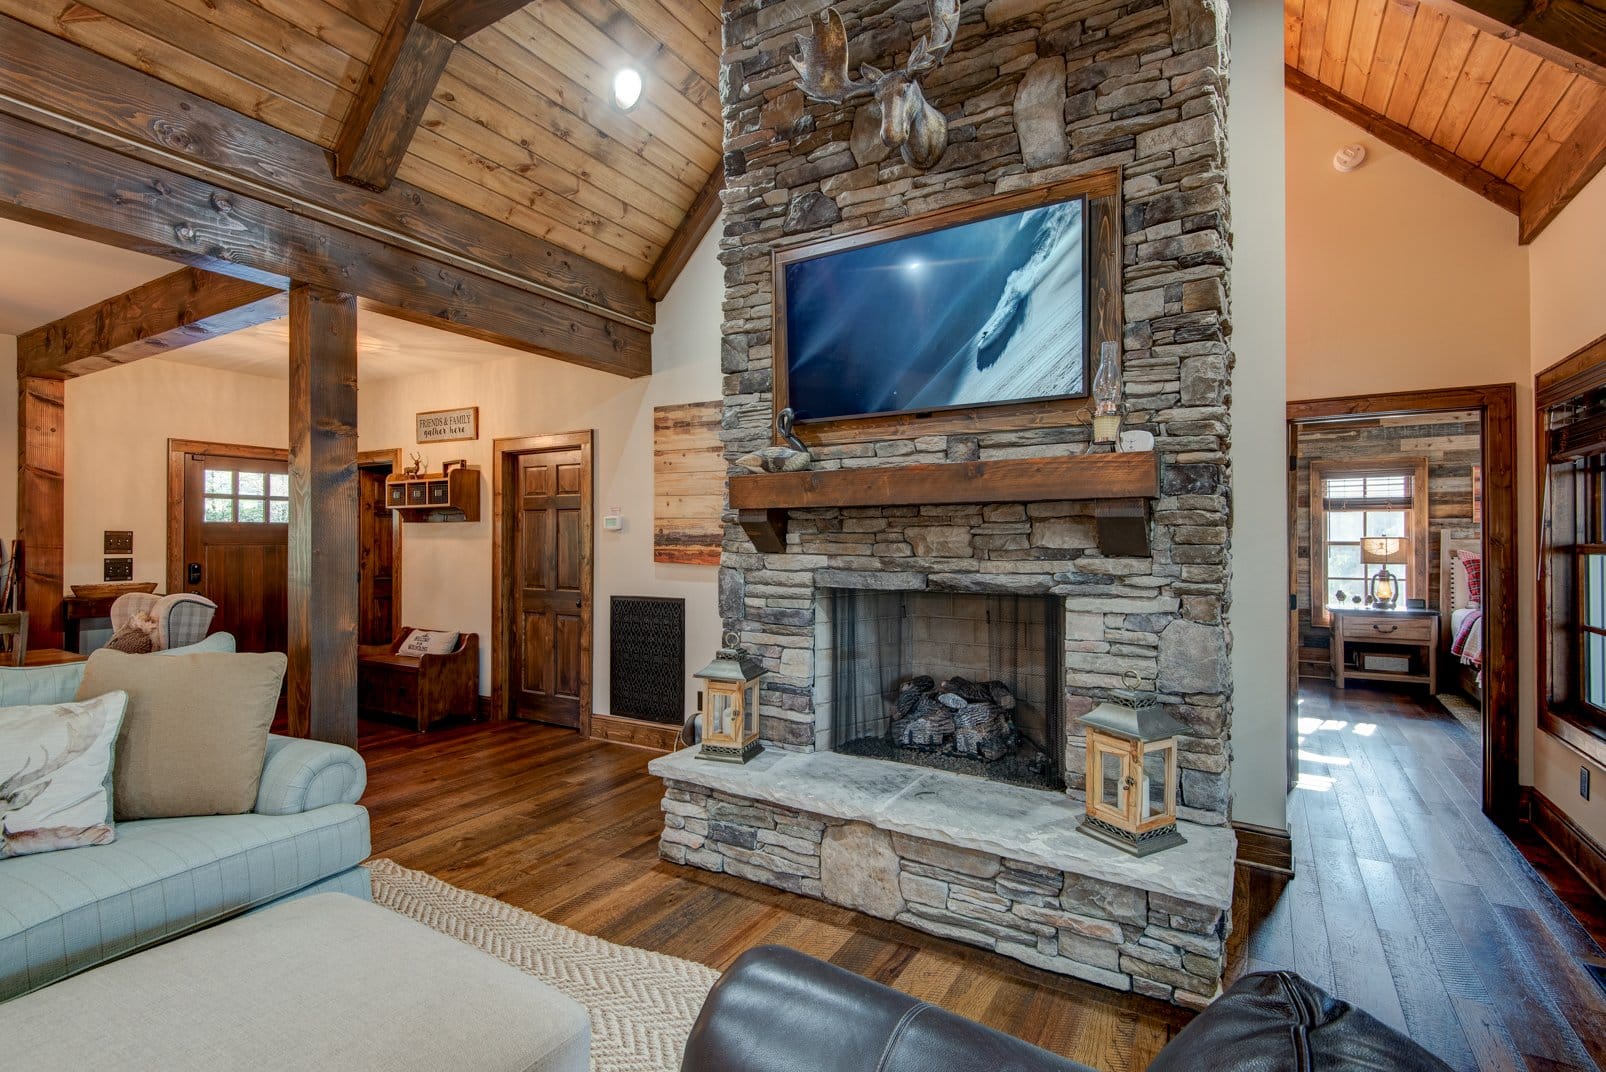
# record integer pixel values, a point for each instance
(56, 774)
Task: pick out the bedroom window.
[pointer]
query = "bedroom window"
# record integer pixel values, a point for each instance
(1591, 574)
(1352, 500)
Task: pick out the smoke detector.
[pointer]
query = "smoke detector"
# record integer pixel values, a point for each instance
(1349, 158)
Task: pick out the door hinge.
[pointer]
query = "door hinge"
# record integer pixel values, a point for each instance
(1293, 463)
(1293, 601)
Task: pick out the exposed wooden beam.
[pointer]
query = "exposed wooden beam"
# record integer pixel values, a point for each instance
(59, 182)
(322, 675)
(67, 88)
(186, 307)
(704, 211)
(1406, 140)
(389, 104)
(41, 504)
(1570, 33)
(458, 19)
(1564, 176)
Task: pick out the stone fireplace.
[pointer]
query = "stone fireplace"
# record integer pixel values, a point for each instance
(1036, 92)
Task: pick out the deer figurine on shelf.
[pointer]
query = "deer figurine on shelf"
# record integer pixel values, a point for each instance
(909, 123)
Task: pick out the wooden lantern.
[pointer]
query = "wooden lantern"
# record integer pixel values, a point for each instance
(730, 705)
(1132, 775)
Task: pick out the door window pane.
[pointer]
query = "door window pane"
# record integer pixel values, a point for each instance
(253, 511)
(219, 482)
(279, 512)
(279, 485)
(218, 510)
(253, 484)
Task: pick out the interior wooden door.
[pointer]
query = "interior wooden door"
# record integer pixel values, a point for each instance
(376, 556)
(549, 564)
(236, 544)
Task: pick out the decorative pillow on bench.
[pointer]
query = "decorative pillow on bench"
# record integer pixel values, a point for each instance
(196, 732)
(56, 774)
(429, 642)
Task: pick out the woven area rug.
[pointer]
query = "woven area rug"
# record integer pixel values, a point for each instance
(642, 1004)
(1465, 711)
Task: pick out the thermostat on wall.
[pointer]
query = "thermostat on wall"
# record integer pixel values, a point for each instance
(612, 521)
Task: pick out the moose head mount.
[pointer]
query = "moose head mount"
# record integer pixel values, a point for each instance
(908, 122)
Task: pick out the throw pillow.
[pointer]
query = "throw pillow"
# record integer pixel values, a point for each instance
(429, 642)
(132, 640)
(56, 774)
(1473, 564)
(196, 732)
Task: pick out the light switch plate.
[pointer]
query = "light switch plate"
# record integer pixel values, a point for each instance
(119, 569)
(1583, 782)
(118, 543)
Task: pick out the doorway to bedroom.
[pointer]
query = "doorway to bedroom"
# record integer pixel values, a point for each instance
(1403, 578)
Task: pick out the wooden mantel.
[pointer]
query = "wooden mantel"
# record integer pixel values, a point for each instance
(1119, 485)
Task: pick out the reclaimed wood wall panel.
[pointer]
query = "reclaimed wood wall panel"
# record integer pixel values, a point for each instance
(41, 505)
(688, 473)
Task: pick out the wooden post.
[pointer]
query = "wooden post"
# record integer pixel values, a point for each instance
(41, 500)
(323, 515)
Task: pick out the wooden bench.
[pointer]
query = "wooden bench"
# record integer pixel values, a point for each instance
(424, 688)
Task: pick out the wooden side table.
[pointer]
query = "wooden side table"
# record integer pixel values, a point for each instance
(1395, 631)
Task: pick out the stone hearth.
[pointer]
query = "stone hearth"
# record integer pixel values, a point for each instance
(992, 865)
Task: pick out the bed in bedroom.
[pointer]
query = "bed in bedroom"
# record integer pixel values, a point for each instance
(1461, 608)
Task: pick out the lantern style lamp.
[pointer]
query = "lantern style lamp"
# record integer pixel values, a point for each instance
(1132, 774)
(730, 704)
(1386, 551)
(1107, 394)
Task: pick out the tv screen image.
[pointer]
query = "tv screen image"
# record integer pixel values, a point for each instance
(973, 314)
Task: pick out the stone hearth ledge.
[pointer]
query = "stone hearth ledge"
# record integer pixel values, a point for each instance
(1028, 825)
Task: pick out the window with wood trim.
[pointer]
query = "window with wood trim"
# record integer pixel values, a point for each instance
(1350, 500)
(245, 498)
(1573, 561)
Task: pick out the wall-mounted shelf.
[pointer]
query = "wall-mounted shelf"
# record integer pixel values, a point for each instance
(1119, 485)
(453, 496)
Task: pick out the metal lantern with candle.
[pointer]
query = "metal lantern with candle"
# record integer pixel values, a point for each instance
(1107, 394)
(730, 704)
(1132, 773)
(1386, 551)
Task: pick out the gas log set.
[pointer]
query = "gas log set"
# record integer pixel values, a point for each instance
(958, 717)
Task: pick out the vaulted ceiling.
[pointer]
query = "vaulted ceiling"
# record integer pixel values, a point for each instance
(519, 127)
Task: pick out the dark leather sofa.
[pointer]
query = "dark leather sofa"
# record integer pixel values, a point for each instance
(778, 1010)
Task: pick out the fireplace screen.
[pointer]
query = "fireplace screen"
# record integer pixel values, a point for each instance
(967, 683)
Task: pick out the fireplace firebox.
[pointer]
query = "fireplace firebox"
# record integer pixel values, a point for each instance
(967, 683)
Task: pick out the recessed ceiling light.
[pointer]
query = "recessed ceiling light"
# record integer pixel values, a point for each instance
(626, 88)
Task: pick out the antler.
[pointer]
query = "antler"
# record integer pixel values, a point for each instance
(822, 60)
(934, 44)
(19, 790)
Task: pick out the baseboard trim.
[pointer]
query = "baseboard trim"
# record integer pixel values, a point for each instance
(1262, 848)
(617, 729)
(1572, 844)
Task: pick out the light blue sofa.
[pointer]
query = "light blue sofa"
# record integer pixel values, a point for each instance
(67, 911)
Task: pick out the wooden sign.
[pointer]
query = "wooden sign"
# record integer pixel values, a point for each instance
(688, 471)
(449, 425)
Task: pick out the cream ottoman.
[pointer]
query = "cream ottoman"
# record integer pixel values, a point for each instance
(325, 982)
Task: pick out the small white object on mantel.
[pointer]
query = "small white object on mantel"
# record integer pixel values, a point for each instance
(1135, 441)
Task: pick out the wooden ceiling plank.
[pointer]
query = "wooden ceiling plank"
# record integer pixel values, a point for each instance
(1363, 47)
(1569, 33)
(154, 318)
(366, 12)
(52, 180)
(1570, 169)
(138, 51)
(384, 115)
(688, 33)
(1575, 105)
(1313, 34)
(352, 33)
(1448, 61)
(1549, 83)
(1335, 43)
(460, 19)
(1293, 26)
(1405, 140)
(1470, 89)
(1510, 82)
(700, 87)
(1427, 30)
(1398, 17)
(561, 138)
(98, 98)
(288, 41)
(704, 212)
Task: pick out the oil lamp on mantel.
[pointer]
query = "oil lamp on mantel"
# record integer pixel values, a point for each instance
(1132, 772)
(730, 704)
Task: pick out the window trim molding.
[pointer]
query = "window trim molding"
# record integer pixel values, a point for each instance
(1320, 470)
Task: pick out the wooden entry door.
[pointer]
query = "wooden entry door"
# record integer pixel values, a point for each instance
(378, 554)
(236, 532)
(545, 559)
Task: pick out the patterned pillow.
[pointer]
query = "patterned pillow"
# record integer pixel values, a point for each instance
(56, 774)
(429, 642)
(1473, 564)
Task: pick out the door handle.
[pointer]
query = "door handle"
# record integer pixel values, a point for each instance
(192, 573)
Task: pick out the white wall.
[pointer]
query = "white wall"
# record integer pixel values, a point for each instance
(1259, 394)
(446, 570)
(1567, 274)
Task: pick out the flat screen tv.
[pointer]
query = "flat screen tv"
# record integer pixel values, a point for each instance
(983, 311)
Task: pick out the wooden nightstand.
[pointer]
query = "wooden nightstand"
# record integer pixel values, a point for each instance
(1394, 632)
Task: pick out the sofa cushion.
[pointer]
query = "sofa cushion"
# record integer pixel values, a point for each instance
(62, 912)
(56, 774)
(59, 683)
(196, 731)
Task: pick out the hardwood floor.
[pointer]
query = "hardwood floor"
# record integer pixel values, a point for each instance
(1407, 901)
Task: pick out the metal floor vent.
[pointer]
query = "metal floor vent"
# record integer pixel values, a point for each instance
(647, 643)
